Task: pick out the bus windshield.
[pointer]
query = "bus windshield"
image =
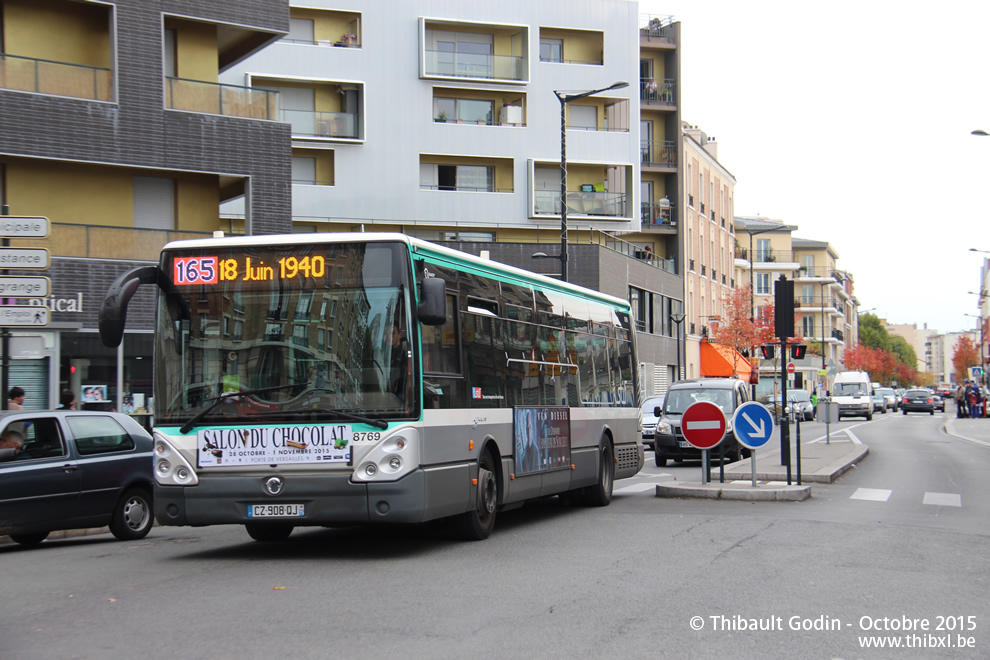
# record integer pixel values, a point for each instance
(304, 331)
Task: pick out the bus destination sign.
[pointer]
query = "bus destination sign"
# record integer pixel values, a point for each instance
(214, 270)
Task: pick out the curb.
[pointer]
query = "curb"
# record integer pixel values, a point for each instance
(735, 491)
(823, 475)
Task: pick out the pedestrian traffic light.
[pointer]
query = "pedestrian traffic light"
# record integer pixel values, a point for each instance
(798, 351)
(767, 352)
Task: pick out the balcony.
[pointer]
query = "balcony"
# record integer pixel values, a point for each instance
(657, 29)
(604, 204)
(816, 302)
(460, 50)
(309, 123)
(658, 154)
(28, 74)
(656, 92)
(766, 256)
(658, 214)
(837, 334)
(220, 99)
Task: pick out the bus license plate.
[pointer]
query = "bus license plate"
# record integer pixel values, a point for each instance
(276, 511)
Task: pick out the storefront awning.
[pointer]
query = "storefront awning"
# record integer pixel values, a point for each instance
(717, 362)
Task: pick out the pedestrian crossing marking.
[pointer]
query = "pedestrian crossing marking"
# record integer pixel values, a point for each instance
(943, 499)
(636, 488)
(872, 494)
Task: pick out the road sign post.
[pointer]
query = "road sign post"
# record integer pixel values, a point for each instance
(753, 425)
(828, 412)
(703, 426)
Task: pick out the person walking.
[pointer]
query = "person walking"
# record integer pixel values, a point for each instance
(15, 398)
(960, 399)
(971, 399)
(67, 401)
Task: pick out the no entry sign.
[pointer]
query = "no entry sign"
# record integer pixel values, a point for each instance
(703, 425)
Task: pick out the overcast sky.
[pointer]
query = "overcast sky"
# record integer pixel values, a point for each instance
(852, 121)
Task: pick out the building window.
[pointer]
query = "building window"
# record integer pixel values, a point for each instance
(474, 178)
(808, 326)
(154, 202)
(808, 263)
(300, 30)
(763, 249)
(551, 50)
(763, 284)
(463, 110)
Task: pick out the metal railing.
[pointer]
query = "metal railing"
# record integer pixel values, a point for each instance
(660, 91)
(616, 244)
(766, 256)
(29, 74)
(582, 203)
(805, 302)
(470, 65)
(656, 27)
(321, 124)
(220, 99)
(658, 153)
(658, 214)
(553, 60)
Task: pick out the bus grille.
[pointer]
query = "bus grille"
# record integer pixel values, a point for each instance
(628, 458)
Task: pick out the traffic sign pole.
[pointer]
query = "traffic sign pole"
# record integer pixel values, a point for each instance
(753, 426)
(703, 426)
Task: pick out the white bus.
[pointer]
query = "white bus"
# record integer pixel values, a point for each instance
(328, 379)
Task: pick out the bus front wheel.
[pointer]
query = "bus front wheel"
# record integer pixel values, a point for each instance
(477, 524)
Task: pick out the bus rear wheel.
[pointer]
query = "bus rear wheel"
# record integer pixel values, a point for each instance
(268, 531)
(601, 493)
(477, 524)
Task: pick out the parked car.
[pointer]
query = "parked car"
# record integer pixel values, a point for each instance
(798, 402)
(939, 403)
(77, 469)
(727, 393)
(919, 400)
(649, 419)
(879, 405)
(889, 398)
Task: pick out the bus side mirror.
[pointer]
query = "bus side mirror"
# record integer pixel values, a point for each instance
(113, 314)
(432, 301)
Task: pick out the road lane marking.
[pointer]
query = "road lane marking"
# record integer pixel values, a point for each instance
(943, 499)
(636, 488)
(871, 494)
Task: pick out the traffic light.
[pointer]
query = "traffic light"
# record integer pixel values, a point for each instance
(767, 352)
(798, 351)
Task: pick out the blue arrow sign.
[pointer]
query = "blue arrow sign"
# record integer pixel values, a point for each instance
(752, 424)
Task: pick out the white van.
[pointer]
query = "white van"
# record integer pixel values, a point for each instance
(853, 391)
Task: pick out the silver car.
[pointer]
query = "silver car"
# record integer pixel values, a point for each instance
(649, 419)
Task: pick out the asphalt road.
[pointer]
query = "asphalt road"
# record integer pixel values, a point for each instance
(644, 577)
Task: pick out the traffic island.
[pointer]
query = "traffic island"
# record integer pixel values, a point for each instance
(736, 490)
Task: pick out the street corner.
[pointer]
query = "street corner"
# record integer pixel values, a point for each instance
(744, 491)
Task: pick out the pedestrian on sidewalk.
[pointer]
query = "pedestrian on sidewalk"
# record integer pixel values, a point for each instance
(15, 398)
(960, 398)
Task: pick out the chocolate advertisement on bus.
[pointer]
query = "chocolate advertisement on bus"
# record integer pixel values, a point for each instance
(542, 439)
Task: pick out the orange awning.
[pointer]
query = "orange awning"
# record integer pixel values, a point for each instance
(717, 361)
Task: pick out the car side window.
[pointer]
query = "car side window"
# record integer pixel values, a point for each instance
(42, 437)
(98, 435)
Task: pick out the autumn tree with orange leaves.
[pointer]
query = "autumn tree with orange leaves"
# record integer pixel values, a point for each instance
(964, 356)
(734, 328)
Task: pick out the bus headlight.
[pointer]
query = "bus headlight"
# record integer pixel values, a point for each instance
(171, 469)
(391, 459)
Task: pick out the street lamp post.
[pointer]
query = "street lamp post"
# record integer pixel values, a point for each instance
(564, 100)
(678, 319)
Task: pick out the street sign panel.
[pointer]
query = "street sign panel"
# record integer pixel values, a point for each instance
(703, 425)
(25, 287)
(24, 316)
(752, 424)
(828, 412)
(26, 258)
(15, 226)
(790, 367)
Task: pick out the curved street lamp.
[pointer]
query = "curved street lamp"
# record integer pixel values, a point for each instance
(564, 99)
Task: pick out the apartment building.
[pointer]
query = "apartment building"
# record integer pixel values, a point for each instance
(444, 121)
(825, 304)
(917, 338)
(709, 244)
(118, 128)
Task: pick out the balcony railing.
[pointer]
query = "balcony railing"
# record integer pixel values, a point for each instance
(766, 256)
(29, 74)
(658, 214)
(658, 153)
(103, 242)
(659, 91)
(805, 302)
(321, 124)
(657, 27)
(470, 65)
(220, 99)
(582, 203)
(837, 334)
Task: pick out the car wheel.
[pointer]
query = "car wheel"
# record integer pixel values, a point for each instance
(660, 461)
(477, 524)
(931, 412)
(268, 531)
(29, 539)
(133, 518)
(904, 411)
(601, 493)
(869, 417)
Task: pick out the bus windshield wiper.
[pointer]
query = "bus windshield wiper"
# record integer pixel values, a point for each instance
(188, 426)
(379, 423)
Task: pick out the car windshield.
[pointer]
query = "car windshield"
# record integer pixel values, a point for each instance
(799, 395)
(848, 389)
(650, 404)
(679, 400)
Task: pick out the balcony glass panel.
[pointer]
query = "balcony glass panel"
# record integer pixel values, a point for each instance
(60, 78)
(321, 124)
(473, 65)
(220, 99)
(582, 203)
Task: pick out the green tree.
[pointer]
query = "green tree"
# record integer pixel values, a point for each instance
(872, 333)
(904, 352)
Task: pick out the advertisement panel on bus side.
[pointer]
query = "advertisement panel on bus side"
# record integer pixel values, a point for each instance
(542, 439)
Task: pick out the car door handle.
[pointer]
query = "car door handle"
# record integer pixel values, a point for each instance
(69, 467)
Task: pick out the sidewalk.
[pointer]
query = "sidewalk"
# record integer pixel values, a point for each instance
(972, 430)
(820, 463)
